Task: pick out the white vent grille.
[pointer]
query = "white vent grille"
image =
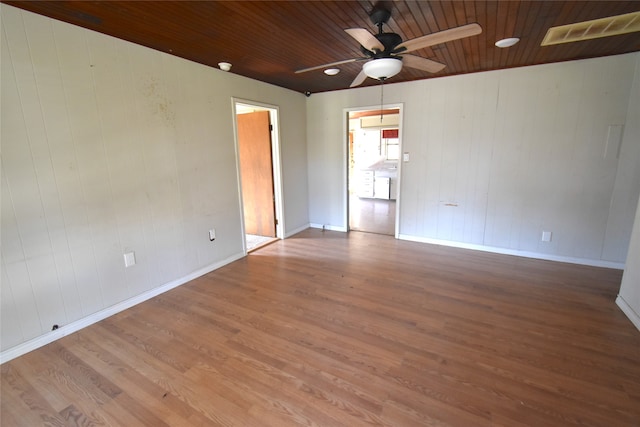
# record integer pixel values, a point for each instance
(604, 27)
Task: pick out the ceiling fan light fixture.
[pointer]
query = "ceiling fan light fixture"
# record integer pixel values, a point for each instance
(507, 42)
(331, 71)
(382, 68)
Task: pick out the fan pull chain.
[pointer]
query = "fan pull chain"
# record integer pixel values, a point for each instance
(381, 98)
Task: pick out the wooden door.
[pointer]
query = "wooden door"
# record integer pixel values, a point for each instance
(256, 171)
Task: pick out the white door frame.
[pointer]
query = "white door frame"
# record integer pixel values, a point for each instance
(345, 156)
(274, 117)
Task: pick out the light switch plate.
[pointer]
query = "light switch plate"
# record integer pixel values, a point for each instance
(129, 259)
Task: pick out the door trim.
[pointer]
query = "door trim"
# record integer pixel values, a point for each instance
(345, 158)
(274, 115)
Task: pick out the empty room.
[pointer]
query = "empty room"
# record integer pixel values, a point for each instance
(143, 144)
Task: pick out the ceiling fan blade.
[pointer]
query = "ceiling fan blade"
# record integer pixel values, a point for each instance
(359, 79)
(440, 37)
(366, 39)
(421, 63)
(331, 64)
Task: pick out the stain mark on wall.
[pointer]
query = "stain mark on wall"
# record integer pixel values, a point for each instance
(158, 102)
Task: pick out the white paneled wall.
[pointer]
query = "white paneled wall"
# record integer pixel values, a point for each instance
(109, 147)
(629, 176)
(629, 297)
(625, 193)
(499, 157)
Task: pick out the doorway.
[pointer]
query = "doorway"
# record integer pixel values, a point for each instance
(373, 169)
(259, 173)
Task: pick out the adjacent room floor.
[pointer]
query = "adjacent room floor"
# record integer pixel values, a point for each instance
(254, 242)
(372, 215)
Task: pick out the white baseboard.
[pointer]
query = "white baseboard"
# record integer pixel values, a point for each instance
(526, 254)
(65, 330)
(628, 311)
(296, 231)
(328, 227)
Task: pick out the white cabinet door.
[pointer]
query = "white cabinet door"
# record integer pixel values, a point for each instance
(381, 188)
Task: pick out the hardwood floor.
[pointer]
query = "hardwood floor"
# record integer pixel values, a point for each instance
(333, 329)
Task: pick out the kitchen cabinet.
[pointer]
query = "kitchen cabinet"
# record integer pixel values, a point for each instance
(381, 187)
(377, 184)
(365, 185)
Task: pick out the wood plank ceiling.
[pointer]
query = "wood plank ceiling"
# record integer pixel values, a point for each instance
(269, 40)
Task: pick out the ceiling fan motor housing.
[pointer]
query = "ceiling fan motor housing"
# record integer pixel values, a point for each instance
(389, 41)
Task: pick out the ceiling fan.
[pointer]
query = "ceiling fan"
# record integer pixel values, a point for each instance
(386, 53)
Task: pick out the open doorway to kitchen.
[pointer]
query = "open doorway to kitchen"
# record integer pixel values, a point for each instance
(373, 163)
(259, 173)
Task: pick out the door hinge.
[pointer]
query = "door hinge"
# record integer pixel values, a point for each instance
(271, 127)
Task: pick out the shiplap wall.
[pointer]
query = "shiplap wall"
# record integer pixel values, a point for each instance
(497, 157)
(110, 147)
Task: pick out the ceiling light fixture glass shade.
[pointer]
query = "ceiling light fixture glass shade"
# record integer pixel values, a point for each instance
(507, 42)
(224, 66)
(331, 71)
(382, 68)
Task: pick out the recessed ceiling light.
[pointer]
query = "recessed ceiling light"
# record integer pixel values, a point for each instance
(224, 66)
(331, 71)
(507, 42)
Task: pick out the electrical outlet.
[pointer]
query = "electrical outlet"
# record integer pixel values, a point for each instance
(546, 236)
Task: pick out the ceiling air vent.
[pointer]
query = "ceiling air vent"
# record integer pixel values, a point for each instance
(604, 27)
